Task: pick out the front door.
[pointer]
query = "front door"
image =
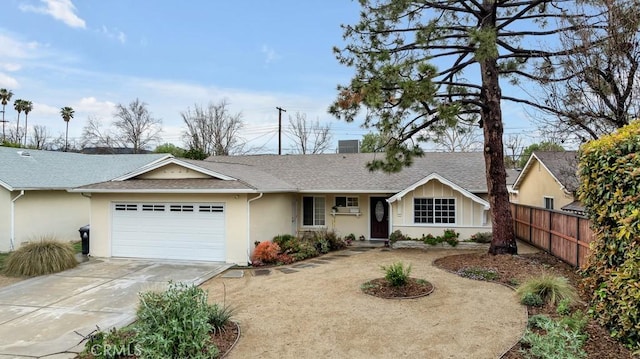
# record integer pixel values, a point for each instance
(379, 217)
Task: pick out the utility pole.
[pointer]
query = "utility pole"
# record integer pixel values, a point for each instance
(280, 111)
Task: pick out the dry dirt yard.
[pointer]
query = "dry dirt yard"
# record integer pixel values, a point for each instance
(320, 311)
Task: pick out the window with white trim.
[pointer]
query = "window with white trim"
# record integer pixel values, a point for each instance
(548, 202)
(434, 210)
(349, 202)
(313, 211)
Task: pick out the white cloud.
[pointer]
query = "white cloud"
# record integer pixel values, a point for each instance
(91, 106)
(270, 54)
(62, 10)
(15, 49)
(10, 67)
(7, 81)
(41, 109)
(114, 34)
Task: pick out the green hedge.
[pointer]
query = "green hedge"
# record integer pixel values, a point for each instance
(610, 191)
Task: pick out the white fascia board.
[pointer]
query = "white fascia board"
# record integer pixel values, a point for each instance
(435, 176)
(346, 191)
(6, 186)
(233, 191)
(526, 169)
(172, 160)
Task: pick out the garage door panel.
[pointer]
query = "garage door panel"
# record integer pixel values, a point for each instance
(192, 231)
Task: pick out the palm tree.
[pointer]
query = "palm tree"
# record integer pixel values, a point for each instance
(27, 106)
(67, 114)
(18, 105)
(5, 97)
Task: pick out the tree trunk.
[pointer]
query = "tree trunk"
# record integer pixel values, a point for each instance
(504, 241)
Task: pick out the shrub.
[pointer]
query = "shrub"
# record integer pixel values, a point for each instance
(114, 343)
(482, 237)
(479, 273)
(450, 234)
(219, 316)
(335, 242)
(532, 300)
(175, 323)
(396, 274)
(284, 258)
(287, 242)
(609, 174)
(397, 236)
(552, 289)
(560, 339)
(306, 250)
(322, 245)
(42, 257)
(564, 307)
(349, 238)
(430, 239)
(265, 253)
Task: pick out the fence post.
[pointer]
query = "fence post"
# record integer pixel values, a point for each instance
(550, 235)
(578, 242)
(530, 225)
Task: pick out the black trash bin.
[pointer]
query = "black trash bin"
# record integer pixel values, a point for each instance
(84, 235)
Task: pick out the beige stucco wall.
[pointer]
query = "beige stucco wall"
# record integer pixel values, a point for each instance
(344, 222)
(5, 219)
(470, 215)
(235, 219)
(48, 213)
(172, 171)
(271, 215)
(538, 183)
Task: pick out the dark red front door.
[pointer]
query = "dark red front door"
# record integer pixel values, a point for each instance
(379, 217)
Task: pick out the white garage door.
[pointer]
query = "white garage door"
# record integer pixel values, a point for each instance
(192, 231)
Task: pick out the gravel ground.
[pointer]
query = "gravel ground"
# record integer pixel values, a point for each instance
(320, 311)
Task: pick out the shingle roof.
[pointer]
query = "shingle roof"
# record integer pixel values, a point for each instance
(563, 165)
(173, 185)
(348, 172)
(33, 169)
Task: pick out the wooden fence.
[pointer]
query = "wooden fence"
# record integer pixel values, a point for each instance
(563, 235)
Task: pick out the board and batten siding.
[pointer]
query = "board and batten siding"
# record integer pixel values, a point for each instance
(471, 217)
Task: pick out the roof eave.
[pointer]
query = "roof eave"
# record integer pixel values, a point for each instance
(179, 191)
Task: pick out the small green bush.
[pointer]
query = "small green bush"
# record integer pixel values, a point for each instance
(398, 236)
(112, 344)
(564, 338)
(219, 316)
(482, 237)
(45, 256)
(307, 249)
(335, 243)
(287, 242)
(430, 239)
(396, 274)
(532, 300)
(552, 289)
(175, 323)
(564, 307)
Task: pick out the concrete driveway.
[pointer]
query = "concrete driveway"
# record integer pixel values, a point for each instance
(40, 316)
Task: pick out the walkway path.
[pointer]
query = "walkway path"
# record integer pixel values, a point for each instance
(316, 309)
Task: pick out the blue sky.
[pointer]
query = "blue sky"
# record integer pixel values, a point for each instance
(257, 55)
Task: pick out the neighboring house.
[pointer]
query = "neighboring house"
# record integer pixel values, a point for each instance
(214, 210)
(34, 201)
(549, 180)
